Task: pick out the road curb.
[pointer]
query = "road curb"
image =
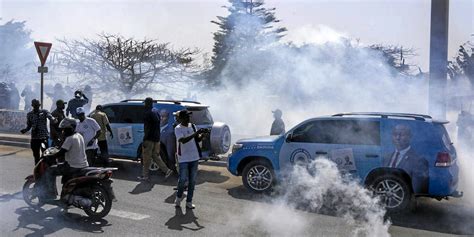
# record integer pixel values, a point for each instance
(15, 143)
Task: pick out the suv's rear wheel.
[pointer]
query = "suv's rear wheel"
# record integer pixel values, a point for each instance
(258, 176)
(394, 192)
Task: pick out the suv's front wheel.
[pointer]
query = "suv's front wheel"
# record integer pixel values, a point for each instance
(258, 176)
(393, 191)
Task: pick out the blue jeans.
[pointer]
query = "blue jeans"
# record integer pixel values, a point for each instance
(187, 172)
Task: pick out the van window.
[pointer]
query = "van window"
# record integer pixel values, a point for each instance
(352, 132)
(113, 113)
(132, 114)
(200, 116)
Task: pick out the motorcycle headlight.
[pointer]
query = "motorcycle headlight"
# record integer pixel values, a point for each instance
(236, 147)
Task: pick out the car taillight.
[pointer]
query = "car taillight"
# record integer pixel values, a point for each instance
(443, 159)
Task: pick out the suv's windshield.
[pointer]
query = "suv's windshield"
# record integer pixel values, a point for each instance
(200, 116)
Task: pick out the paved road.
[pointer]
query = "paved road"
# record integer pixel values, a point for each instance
(224, 208)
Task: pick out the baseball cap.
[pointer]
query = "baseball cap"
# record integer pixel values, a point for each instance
(60, 102)
(183, 113)
(80, 110)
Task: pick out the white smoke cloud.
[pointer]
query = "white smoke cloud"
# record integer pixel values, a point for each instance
(305, 81)
(311, 34)
(319, 188)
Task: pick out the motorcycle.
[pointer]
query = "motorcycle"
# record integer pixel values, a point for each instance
(90, 189)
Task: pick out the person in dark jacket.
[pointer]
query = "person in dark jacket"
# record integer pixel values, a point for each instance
(57, 93)
(14, 97)
(278, 126)
(151, 141)
(406, 158)
(58, 114)
(28, 95)
(79, 100)
(36, 121)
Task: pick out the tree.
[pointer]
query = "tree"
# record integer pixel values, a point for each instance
(128, 65)
(463, 64)
(249, 27)
(395, 57)
(16, 52)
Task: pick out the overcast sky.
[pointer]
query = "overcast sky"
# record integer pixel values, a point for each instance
(186, 23)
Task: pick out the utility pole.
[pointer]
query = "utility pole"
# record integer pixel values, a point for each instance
(438, 58)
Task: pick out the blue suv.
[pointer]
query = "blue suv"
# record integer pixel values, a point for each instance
(399, 156)
(126, 121)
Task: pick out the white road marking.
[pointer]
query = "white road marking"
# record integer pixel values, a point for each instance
(128, 215)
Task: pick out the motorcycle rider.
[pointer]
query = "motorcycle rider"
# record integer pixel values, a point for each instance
(74, 153)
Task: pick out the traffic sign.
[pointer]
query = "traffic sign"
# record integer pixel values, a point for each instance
(42, 49)
(42, 69)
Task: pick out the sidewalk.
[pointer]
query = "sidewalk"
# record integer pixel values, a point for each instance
(15, 139)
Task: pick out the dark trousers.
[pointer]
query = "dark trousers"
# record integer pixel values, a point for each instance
(104, 152)
(50, 178)
(37, 149)
(187, 172)
(91, 154)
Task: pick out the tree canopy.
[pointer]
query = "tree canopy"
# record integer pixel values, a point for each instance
(16, 49)
(463, 64)
(249, 27)
(129, 65)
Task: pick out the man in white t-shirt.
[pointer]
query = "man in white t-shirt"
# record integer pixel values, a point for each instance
(188, 153)
(90, 131)
(73, 150)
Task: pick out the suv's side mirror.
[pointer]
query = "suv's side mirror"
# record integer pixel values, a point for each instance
(289, 137)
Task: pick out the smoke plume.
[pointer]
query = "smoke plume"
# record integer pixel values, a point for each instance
(317, 188)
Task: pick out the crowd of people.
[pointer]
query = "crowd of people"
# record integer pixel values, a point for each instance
(10, 96)
(88, 127)
(80, 137)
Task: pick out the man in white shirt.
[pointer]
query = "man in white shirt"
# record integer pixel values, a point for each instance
(90, 131)
(73, 150)
(188, 153)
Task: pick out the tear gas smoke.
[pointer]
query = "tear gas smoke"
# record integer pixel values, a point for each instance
(321, 188)
(322, 72)
(305, 81)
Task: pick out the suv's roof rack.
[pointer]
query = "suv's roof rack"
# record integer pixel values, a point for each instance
(171, 101)
(421, 117)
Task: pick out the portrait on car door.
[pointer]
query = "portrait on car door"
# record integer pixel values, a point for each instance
(407, 151)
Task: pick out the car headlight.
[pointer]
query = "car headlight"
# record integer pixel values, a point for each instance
(236, 147)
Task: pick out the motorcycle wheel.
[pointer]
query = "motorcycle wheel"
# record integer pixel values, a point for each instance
(30, 195)
(101, 203)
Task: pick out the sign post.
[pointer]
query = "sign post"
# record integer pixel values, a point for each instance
(43, 51)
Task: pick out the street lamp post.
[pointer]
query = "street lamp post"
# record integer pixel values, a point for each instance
(438, 58)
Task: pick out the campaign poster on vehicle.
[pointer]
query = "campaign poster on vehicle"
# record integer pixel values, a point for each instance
(344, 158)
(125, 135)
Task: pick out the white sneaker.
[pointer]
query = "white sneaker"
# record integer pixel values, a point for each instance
(177, 202)
(190, 205)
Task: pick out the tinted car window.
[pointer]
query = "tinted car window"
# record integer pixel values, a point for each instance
(201, 115)
(113, 113)
(132, 114)
(354, 132)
